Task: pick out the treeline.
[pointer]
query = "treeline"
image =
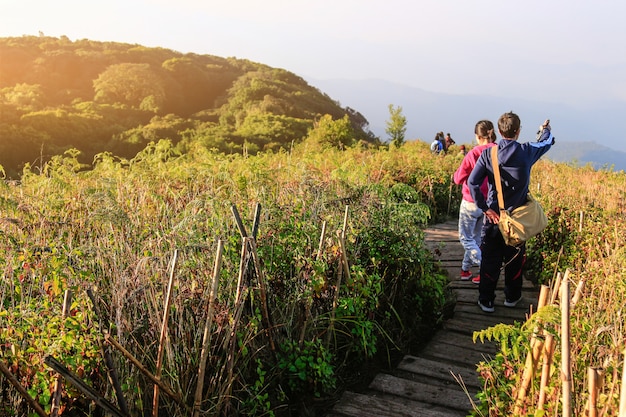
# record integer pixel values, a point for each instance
(57, 94)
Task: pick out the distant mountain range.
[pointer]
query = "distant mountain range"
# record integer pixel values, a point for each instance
(584, 136)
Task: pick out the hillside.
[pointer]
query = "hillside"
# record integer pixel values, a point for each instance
(57, 94)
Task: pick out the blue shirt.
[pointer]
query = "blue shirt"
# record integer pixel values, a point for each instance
(515, 160)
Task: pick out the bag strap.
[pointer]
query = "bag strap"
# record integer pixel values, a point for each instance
(496, 174)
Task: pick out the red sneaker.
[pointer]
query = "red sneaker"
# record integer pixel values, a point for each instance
(476, 280)
(466, 275)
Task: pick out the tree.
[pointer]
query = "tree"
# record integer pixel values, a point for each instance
(396, 126)
(136, 85)
(332, 133)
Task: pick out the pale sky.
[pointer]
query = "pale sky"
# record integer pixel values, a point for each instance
(566, 51)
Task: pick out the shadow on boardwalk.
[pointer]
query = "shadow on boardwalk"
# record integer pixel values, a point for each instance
(423, 384)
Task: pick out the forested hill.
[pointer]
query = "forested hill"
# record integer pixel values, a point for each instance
(57, 94)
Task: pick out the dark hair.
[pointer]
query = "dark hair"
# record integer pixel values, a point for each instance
(509, 125)
(484, 129)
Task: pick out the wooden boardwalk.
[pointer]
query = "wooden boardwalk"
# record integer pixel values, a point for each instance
(423, 384)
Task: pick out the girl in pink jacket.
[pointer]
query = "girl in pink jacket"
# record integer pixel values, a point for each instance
(470, 216)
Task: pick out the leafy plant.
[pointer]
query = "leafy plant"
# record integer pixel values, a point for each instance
(308, 369)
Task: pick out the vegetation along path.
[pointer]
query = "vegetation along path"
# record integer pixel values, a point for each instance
(430, 383)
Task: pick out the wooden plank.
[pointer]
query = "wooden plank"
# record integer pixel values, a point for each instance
(470, 309)
(455, 355)
(462, 340)
(439, 370)
(416, 391)
(361, 405)
(470, 295)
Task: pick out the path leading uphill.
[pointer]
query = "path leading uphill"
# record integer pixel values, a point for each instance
(423, 384)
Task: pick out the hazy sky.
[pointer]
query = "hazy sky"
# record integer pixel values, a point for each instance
(569, 51)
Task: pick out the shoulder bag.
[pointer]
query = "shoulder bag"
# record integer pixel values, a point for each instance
(522, 223)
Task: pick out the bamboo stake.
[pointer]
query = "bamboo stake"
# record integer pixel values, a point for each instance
(345, 223)
(108, 360)
(532, 358)
(309, 301)
(242, 269)
(163, 336)
(257, 219)
(230, 342)
(566, 375)
(622, 396)
(544, 295)
(529, 370)
(232, 345)
(593, 376)
(263, 293)
(556, 288)
(579, 292)
(580, 221)
(206, 339)
(166, 389)
(341, 235)
(548, 356)
(320, 247)
(58, 388)
(31, 402)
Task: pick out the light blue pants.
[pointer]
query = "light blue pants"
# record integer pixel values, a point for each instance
(470, 229)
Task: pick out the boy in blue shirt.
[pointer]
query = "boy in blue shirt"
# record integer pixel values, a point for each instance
(515, 161)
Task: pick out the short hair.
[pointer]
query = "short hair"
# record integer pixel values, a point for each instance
(509, 124)
(484, 129)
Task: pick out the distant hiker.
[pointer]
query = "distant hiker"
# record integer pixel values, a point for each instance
(471, 217)
(436, 146)
(449, 141)
(462, 150)
(515, 161)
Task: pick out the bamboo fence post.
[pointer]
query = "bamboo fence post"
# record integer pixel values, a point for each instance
(108, 359)
(257, 219)
(58, 388)
(342, 243)
(320, 247)
(566, 374)
(261, 278)
(544, 295)
(242, 269)
(532, 358)
(594, 382)
(622, 396)
(13, 380)
(580, 221)
(344, 260)
(230, 342)
(579, 292)
(206, 339)
(163, 336)
(556, 289)
(548, 356)
(309, 301)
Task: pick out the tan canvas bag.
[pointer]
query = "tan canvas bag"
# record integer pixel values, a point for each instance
(522, 223)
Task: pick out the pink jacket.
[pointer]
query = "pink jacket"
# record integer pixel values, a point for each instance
(465, 169)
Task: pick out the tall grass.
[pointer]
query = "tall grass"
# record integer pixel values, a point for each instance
(114, 229)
